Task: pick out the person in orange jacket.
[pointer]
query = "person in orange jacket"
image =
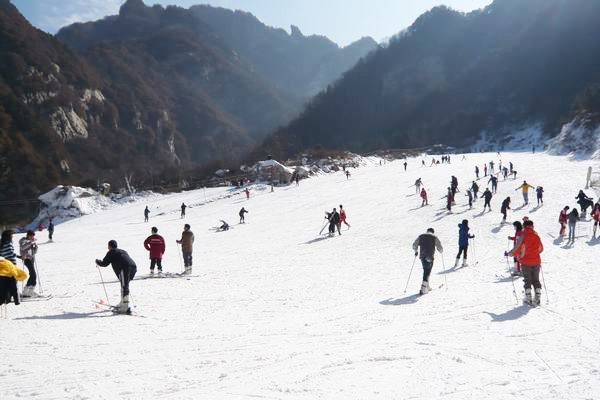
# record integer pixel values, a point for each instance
(528, 252)
(424, 197)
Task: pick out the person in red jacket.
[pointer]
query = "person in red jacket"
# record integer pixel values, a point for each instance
(562, 220)
(528, 253)
(424, 197)
(343, 218)
(155, 244)
(516, 240)
(596, 217)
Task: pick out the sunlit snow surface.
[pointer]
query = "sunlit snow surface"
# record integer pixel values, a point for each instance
(275, 311)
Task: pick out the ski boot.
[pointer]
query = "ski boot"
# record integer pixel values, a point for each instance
(457, 262)
(464, 264)
(188, 270)
(527, 300)
(538, 297)
(123, 306)
(424, 288)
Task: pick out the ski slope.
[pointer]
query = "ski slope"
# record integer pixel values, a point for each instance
(275, 311)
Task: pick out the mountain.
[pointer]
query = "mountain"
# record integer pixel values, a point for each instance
(452, 77)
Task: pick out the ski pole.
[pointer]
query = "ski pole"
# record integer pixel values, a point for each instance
(512, 279)
(180, 257)
(545, 288)
(409, 274)
(38, 275)
(103, 285)
(445, 274)
(321, 231)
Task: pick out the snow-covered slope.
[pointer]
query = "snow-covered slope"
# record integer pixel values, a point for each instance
(273, 310)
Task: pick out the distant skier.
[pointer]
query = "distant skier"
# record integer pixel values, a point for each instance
(470, 196)
(125, 269)
(298, 178)
(516, 240)
(347, 174)
(504, 209)
(487, 197)
(146, 213)
(463, 242)
(596, 217)
(573, 218)
(187, 245)
(418, 184)
(423, 163)
(247, 193)
(405, 165)
(427, 243)
(449, 197)
(494, 182)
(155, 244)
(528, 253)
(539, 191)
(424, 197)
(525, 190)
(183, 207)
(562, 220)
(241, 214)
(28, 249)
(224, 226)
(491, 167)
(334, 222)
(511, 166)
(505, 172)
(484, 169)
(343, 217)
(475, 189)
(477, 172)
(50, 229)
(584, 202)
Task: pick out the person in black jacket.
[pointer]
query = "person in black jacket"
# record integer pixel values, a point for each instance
(124, 268)
(334, 221)
(504, 208)
(427, 243)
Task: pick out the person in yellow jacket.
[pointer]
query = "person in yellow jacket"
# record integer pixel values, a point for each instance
(9, 275)
(525, 188)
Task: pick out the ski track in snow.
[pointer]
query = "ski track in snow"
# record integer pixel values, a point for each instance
(273, 313)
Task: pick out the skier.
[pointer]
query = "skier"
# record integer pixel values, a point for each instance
(247, 193)
(347, 174)
(9, 275)
(343, 217)
(491, 167)
(494, 181)
(463, 242)
(334, 222)
(584, 202)
(125, 270)
(418, 184)
(50, 229)
(6, 246)
(224, 226)
(475, 189)
(505, 172)
(525, 188)
(487, 196)
(187, 243)
(516, 239)
(470, 195)
(424, 197)
(28, 248)
(504, 208)
(146, 213)
(422, 163)
(528, 253)
(562, 220)
(155, 244)
(241, 214)
(596, 217)
(298, 178)
(183, 207)
(449, 200)
(540, 195)
(511, 166)
(427, 243)
(484, 169)
(477, 172)
(405, 165)
(573, 218)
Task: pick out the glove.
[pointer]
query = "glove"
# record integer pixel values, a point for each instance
(416, 253)
(472, 236)
(506, 254)
(98, 262)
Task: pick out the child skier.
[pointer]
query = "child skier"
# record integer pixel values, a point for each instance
(470, 196)
(463, 242)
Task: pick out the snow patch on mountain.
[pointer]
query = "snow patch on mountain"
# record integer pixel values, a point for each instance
(578, 139)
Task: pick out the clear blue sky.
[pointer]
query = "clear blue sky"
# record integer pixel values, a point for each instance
(343, 21)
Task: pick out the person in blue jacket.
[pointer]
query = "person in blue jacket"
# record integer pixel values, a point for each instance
(463, 242)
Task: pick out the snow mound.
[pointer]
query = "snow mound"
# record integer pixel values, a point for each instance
(578, 140)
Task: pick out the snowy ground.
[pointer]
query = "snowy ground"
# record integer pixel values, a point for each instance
(275, 311)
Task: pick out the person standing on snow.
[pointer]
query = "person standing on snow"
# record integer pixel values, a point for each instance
(516, 239)
(28, 248)
(562, 220)
(183, 207)
(484, 169)
(528, 253)
(463, 242)
(470, 196)
(525, 188)
(487, 197)
(155, 244)
(475, 189)
(334, 222)
(146, 213)
(596, 217)
(504, 208)
(343, 217)
(125, 269)
(241, 214)
(494, 181)
(423, 197)
(6, 246)
(405, 165)
(418, 184)
(491, 167)
(449, 197)
(247, 193)
(187, 244)
(427, 243)
(539, 191)
(572, 218)
(477, 172)
(50, 229)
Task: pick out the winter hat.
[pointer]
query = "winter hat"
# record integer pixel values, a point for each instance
(528, 223)
(112, 244)
(186, 227)
(154, 229)
(430, 230)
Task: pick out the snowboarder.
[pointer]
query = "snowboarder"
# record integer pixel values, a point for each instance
(477, 172)
(516, 238)
(241, 214)
(540, 195)
(28, 248)
(596, 217)
(125, 269)
(487, 196)
(573, 218)
(155, 244)
(50, 229)
(584, 202)
(146, 213)
(528, 253)
(418, 184)
(183, 207)
(427, 243)
(525, 189)
(504, 208)
(463, 242)
(187, 243)
(343, 217)
(6, 246)
(562, 220)
(423, 197)
(494, 181)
